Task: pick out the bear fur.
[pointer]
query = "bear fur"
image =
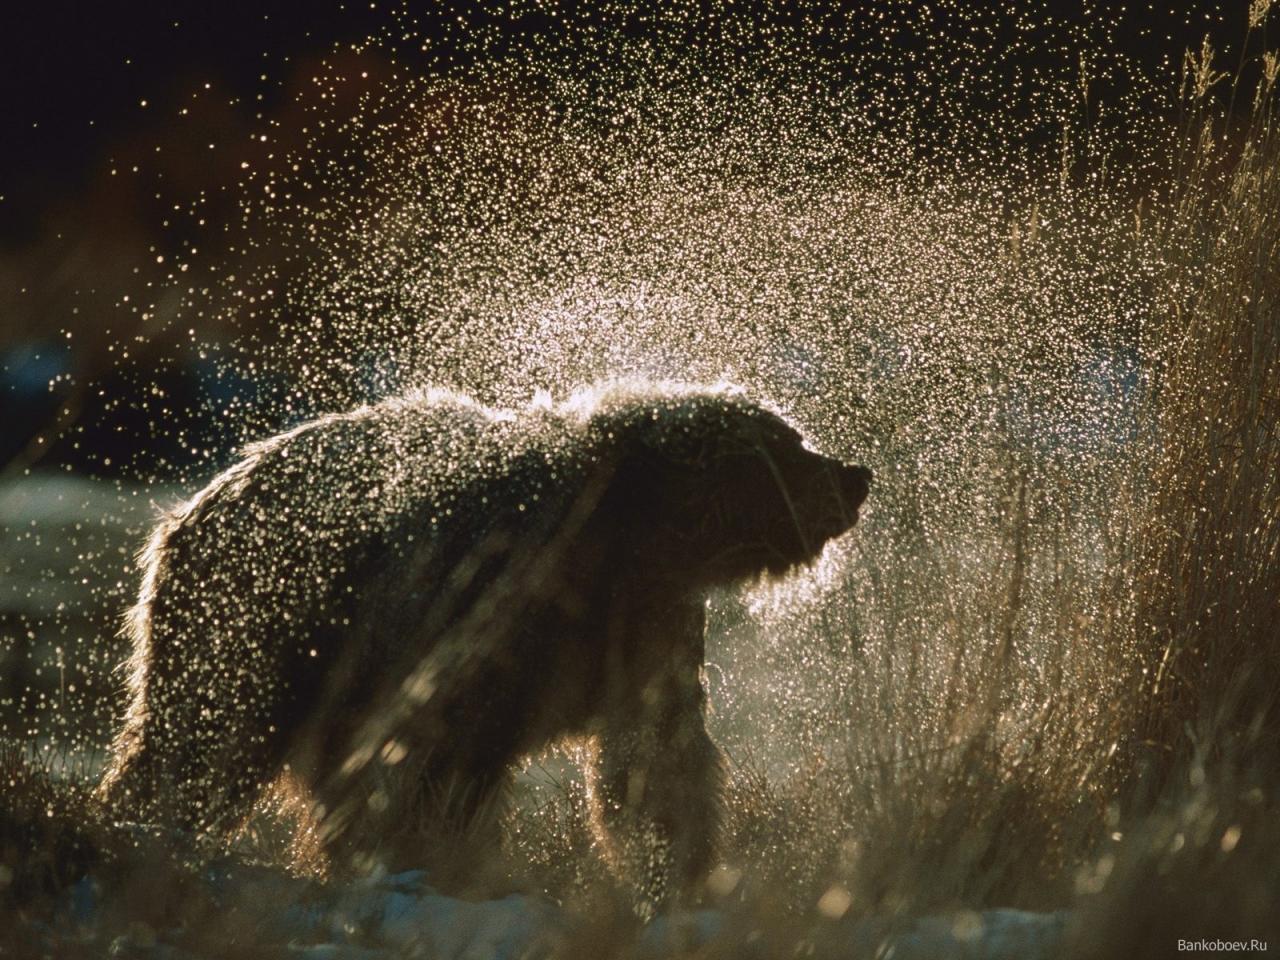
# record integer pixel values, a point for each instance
(402, 600)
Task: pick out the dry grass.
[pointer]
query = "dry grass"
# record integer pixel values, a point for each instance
(1198, 858)
(1208, 584)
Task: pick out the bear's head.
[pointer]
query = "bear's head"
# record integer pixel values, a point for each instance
(714, 489)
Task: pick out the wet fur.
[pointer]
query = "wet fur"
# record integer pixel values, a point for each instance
(397, 602)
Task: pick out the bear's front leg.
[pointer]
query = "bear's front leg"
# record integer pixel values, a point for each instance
(657, 779)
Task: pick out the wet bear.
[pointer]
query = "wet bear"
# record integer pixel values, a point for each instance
(400, 601)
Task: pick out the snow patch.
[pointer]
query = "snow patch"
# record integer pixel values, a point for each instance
(399, 915)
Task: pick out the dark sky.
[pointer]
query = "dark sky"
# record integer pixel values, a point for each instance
(73, 73)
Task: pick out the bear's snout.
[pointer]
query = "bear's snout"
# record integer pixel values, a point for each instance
(855, 484)
(841, 488)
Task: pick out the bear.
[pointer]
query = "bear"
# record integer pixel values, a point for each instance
(402, 600)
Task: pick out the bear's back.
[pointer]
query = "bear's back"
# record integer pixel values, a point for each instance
(394, 494)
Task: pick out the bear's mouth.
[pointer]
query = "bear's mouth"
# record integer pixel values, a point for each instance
(827, 508)
(854, 484)
(837, 525)
(848, 487)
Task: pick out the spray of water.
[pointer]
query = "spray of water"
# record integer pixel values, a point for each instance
(923, 233)
(929, 268)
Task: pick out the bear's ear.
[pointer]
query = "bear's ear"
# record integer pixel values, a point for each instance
(690, 433)
(641, 434)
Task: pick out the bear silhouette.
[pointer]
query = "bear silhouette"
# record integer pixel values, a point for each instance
(400, 601)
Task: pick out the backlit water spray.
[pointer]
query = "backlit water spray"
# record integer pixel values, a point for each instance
(922, 233)
(927, 265)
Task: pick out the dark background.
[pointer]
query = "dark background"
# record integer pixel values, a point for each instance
(85, 245)
(73, 73)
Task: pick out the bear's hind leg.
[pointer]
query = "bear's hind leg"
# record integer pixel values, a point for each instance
(187, 762)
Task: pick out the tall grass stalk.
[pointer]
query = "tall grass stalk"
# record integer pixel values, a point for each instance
(1207, 591)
